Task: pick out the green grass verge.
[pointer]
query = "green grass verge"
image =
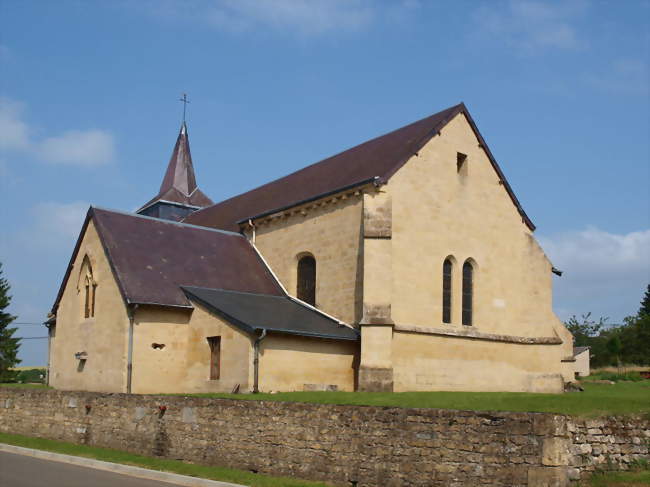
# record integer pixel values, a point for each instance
(615, 376)
(154, 463)
(619, 479)
(623, 398)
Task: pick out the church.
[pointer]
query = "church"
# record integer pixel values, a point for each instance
(405, 263)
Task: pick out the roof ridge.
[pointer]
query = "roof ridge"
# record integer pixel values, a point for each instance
(167, 222)
(380, 156)
(304, 168)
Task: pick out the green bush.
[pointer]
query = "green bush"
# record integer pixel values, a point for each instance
(31, 376)
(613, 376)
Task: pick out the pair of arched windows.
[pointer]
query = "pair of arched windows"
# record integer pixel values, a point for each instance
(467, 291)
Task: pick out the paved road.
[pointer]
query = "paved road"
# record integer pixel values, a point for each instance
(26, 471)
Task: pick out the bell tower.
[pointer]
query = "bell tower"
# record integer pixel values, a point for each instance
(179, 195)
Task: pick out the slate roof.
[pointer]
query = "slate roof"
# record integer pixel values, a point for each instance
(579, 350)
(251, 312)
(179, 183)
(151, 258)
(378, 158)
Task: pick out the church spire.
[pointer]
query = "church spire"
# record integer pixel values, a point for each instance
(180, 170)
(179, 195)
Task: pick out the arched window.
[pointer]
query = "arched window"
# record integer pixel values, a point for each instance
(89, 286)
(468, 291)
(447, 268)
(307, 279)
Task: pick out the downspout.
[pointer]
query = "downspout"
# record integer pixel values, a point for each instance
(256, 361)
(129, 361)
(252, 225)
(49, 324)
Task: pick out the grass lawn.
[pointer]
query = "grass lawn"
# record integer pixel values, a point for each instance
(622, 398)
(154, 463)
(619, 479)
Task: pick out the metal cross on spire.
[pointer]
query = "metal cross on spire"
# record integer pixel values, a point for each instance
(185, 102)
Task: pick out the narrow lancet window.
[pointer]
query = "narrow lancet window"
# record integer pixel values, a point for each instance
(447, 267)
(468, 293)
(89, 289)
(215, 357)
(306, 289)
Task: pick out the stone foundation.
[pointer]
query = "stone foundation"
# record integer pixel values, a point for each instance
(343, 445)
(375, 379)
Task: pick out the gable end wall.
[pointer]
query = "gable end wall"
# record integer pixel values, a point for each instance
(103, 337)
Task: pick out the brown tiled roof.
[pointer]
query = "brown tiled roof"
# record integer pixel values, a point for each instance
(377, 158)
(152, 258)
(179, 183)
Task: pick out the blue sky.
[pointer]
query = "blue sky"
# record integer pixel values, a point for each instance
(89, 113)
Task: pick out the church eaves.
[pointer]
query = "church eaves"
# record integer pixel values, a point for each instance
(376, 160)
(179, 195)
(152, 258)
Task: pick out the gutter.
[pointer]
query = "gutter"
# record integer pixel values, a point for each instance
(131, 309)
(256, 361)
(319, 311)
(374, 179)
(252, 225)
(268, 268)
(173, 203)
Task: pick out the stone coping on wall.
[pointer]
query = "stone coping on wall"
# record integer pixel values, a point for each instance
(467, 332)
(366, 446)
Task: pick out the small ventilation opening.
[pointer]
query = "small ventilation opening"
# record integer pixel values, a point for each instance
(460, 161)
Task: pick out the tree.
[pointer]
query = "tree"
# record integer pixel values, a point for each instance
(645, 303)
(585, 329)
(614, 348)
(8, 344)
(635, 338)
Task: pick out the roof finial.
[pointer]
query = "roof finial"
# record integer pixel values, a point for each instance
(185, 102)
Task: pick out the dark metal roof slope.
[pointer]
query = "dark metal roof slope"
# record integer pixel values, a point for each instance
(179, 183)
(579, 350)
(380, 157)
(252, 312)
(152, 258)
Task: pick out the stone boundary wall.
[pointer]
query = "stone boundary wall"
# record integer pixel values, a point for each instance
(344, 445)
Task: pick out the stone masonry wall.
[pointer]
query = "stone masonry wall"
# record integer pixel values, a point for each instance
(606, 443)
(344, 445)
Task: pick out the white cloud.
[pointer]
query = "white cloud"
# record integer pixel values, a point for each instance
(78, 147)
(305, 17)
(530, 25)
(75, 147)
(14, 133)
(626, 76)
(56, 224)
(604, 273)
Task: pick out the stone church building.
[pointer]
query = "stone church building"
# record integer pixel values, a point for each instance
(405, 263)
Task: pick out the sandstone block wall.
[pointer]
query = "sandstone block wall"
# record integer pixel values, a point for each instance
(607, 444)
(329, 230)
(343, 445)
